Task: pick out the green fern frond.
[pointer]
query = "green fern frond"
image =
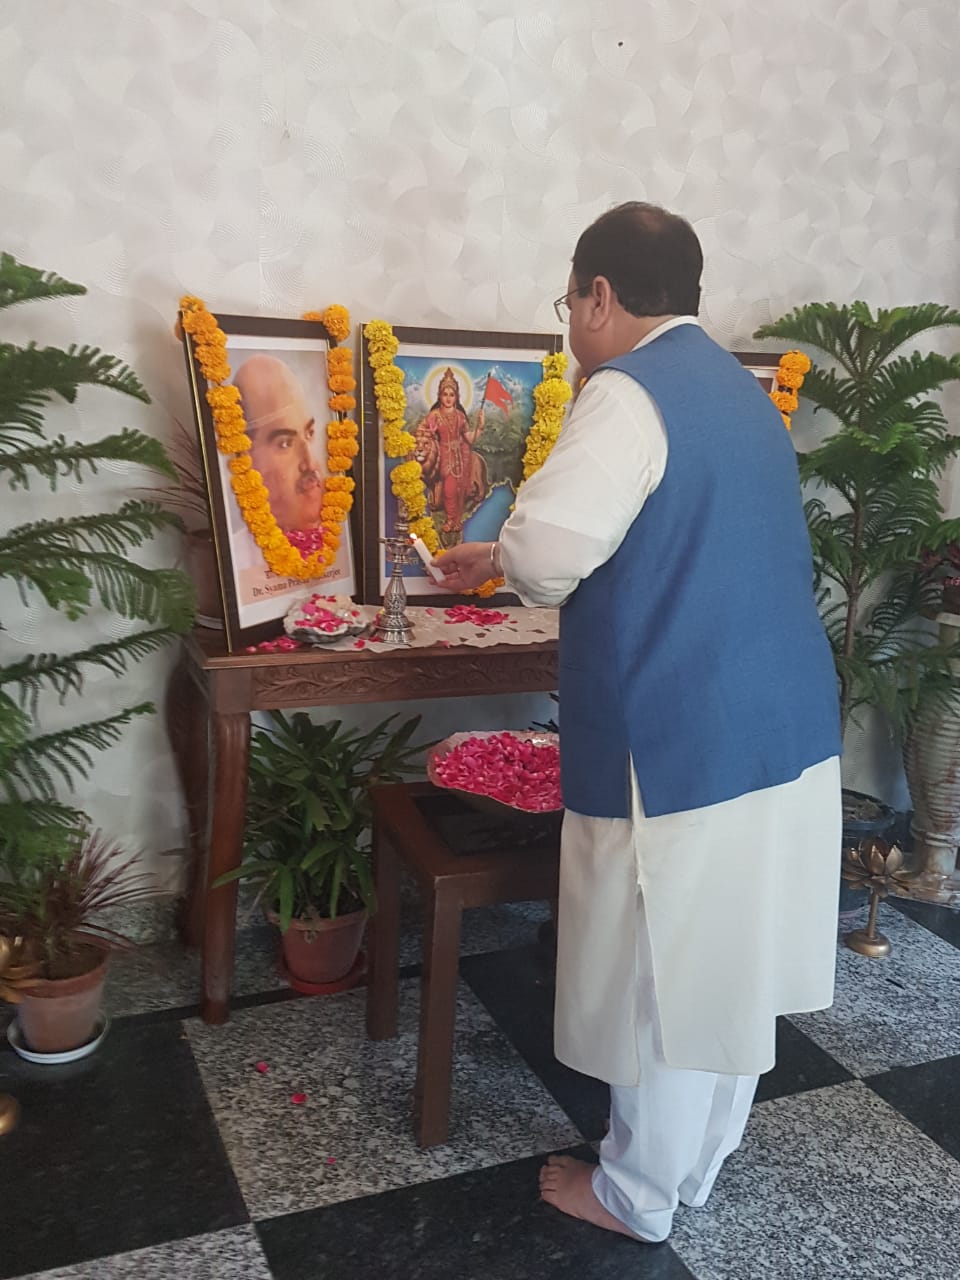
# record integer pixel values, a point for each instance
(826, 389)
(852, 336)
(905, 378)
(891, 329)
(35, 832)
(31, 377)
(66, 753)
(14, 724)
(131, 525)
(64, 560)
(64, 674)
(67, 579)
(20, 283)
(59, 459)
(818, 324)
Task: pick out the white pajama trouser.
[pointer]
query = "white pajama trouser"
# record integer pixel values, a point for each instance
(670, 1134)
(668, 1138)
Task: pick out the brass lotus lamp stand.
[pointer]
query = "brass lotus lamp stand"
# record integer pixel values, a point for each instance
(392, 623)
(876, 866)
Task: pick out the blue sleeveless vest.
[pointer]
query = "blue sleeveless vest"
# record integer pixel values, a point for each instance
(697, 649)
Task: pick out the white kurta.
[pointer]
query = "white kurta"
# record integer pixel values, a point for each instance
(739, 899)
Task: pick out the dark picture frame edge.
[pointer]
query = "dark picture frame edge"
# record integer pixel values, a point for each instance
(758, 362)
(238, 637)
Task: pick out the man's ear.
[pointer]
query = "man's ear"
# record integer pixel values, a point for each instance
(602, 299)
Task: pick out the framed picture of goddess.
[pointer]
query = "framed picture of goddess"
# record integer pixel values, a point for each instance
(280, 370)
(467, 404)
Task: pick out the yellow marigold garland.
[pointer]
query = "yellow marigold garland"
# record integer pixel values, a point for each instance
(793, 368)
(550, 397)
(253, 497)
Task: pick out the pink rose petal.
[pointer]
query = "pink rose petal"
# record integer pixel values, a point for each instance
(263, 1068)
(298, 1099)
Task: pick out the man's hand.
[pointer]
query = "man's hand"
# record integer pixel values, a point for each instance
(466, 566)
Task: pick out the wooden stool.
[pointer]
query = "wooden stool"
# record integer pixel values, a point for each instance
(459, 858)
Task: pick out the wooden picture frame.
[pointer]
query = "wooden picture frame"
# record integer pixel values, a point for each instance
(763, 365)
(500, 371)
(288, 384)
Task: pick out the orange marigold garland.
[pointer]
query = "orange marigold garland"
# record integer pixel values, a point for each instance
(253, 497)
(793, 368)
(406, 479)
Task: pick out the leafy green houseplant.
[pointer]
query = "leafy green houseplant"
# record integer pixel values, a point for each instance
(882, 466)
(54, 917)
(307, 835)
(874, 512)
(72, 563)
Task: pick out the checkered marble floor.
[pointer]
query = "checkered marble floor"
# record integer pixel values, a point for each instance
(169, 1155)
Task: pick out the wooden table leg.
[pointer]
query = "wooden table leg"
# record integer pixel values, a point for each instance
(438, 1009)
(383, 946)
(231, 757)
(187, 718)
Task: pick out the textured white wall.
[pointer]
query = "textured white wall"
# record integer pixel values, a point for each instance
(435, 163)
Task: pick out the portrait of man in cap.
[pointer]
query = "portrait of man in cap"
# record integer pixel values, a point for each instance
(283, 393)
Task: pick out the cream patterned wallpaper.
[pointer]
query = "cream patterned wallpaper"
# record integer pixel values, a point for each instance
(435, 163)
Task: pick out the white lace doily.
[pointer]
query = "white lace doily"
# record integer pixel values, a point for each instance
(431, 626)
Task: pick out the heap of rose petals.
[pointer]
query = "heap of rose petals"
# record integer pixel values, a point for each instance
(478, 617)
(319, 618)
(519, 773)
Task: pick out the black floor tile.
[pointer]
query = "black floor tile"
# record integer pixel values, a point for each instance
(943, 921)
(801, 1065)
(927, 1095)
(114, 1153)
(486, 1225)
(517, 988)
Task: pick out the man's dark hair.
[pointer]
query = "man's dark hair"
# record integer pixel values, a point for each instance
(652, 259)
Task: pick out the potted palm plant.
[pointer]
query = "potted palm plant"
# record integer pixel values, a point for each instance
(52, 879)
(307, 835)
(875, 514)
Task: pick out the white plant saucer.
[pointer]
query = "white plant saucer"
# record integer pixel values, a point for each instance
(18, 1045)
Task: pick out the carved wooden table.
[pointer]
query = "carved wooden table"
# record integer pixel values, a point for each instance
(210, 697)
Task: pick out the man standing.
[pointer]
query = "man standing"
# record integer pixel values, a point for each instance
(699, 725)
(286, 447)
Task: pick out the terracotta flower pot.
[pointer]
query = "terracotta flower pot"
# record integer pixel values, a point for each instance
(322, 951)
(59, 1014)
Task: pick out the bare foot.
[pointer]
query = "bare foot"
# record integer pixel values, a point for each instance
(566, 1184)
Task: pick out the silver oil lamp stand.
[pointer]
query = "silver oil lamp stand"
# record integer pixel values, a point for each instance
(393, 625)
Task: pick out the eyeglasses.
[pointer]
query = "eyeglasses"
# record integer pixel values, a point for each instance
(562, 306)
